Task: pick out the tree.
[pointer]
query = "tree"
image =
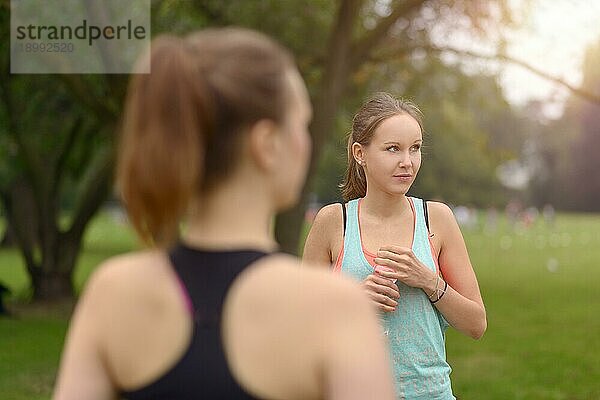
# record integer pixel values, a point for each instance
(52, 145)
(57, 136)
(567, 165)
(584, 182)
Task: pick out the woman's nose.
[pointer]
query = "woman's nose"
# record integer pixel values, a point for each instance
(404, 158)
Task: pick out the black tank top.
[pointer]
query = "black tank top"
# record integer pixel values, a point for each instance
(202, 372)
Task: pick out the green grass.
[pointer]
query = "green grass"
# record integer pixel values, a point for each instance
(540, 286)
(540, 290)
(29, 354)
(30, 344)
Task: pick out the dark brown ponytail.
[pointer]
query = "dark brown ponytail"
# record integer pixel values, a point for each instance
(372, 113)
(183, 121)
(160, 162)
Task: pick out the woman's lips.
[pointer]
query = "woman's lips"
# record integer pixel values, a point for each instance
(403, 177)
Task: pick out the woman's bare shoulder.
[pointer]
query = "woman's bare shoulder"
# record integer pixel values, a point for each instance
(140, 267)
(329, 218)
(329, 211)
(301, 288)
(123, 283)
(438, 206)
(440, 213)
(443, 223)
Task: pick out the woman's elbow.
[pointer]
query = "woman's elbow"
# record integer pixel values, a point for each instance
(479, 328)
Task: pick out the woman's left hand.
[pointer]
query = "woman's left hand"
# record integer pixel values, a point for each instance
(406, 267)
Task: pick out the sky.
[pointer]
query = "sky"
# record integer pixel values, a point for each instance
(554, 39)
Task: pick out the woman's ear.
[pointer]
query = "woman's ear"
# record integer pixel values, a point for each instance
(358, 153)
(264, 143)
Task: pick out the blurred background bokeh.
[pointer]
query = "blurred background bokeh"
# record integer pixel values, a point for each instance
(510, 90)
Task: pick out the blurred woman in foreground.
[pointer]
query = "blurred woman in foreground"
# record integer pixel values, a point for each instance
(217, 133)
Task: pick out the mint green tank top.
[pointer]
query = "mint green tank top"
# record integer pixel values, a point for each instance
(416, 330)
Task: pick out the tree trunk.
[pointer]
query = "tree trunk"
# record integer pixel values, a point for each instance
(21, 218)
(8, 237)
(51, 286)
(51, 279)
(332, 86)
(51, 255)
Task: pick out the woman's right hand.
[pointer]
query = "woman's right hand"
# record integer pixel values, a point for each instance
(382, 291)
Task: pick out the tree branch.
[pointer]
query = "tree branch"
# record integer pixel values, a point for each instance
(79, 90)
(363, 47)
(404, 50)
(32, 165)
(63, 151)
(93, 194)
(216, 16)
(18, 226)
(590, 96)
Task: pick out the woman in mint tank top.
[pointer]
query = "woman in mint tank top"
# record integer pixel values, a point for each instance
(408, 254)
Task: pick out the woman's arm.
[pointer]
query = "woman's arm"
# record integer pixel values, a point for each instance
(461, 304)
(83, 373)
(317, 248)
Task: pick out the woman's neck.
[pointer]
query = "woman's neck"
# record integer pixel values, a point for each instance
(232, 217)
(383, 205)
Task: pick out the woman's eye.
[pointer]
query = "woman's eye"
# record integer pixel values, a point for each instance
(416, 147)
(393, 148)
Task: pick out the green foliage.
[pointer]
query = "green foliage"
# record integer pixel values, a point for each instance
(303, 27)
(334, 158)
(177, 17)
(470, 130)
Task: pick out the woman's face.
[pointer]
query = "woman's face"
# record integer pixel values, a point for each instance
(296, 141)
(393, 158)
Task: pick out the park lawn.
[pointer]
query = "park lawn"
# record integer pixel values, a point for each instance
(30, 343)
(539, 286)
(29, 353)
(540, 290)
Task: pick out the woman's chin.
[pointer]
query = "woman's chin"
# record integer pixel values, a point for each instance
(285, 203)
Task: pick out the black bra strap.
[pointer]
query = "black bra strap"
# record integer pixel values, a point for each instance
(426, 214)
(344, 215)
